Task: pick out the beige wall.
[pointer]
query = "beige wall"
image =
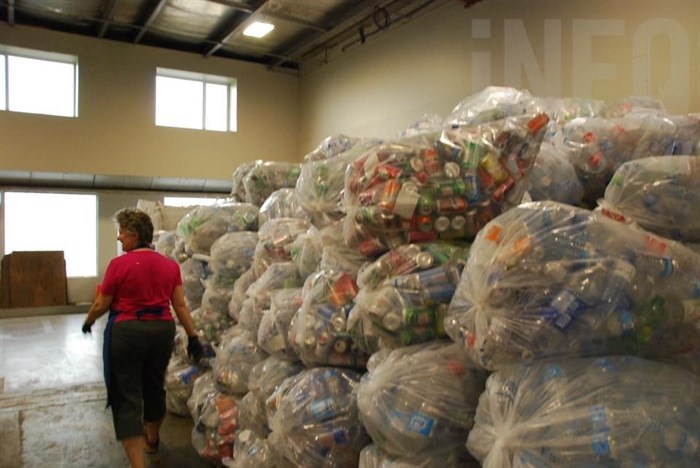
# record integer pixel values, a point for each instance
(598, 49)
(115, 132)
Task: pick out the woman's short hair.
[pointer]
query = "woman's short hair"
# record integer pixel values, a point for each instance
(136, 221)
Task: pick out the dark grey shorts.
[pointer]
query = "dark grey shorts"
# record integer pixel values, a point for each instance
(139, 355)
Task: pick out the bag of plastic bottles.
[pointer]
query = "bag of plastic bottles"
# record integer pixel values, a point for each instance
(331, 146)
(253, 451)
(274, 324)
(563, 110)
(420, 400)
(267, 176)
(492, 103)
(633, 105)
(661, 194)
(687, 138)
(612, 411)
(553, 177)
(443, 186)
(458, 457)
(315, 423)
(205, 224)
(317, 331)
(164, 242)
(547, 279)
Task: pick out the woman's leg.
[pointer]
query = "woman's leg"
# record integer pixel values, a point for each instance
(133, 446)
(154, 409)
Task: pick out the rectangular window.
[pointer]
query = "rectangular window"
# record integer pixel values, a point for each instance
(195, 100)
(54, 221)
(38, 82)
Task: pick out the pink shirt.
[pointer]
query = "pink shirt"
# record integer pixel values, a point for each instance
(141, 283)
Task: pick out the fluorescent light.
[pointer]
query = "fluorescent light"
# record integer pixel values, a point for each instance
(258, 29)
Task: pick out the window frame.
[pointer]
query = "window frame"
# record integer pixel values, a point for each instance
(204, 78)
(7, 51)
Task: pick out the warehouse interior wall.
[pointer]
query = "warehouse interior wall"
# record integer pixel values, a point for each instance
(577, 48)
(115, 132)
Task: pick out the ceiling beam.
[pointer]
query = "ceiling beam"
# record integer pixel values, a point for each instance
(240, 6)
(231, 27)
(297, 21)
(107, 17)
(154, 10)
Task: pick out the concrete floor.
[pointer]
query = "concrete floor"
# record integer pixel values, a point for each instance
(52, 400)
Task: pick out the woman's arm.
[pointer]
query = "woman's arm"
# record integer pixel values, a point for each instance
(183, 313)
(99, 306)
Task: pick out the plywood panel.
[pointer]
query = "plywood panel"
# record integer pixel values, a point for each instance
(34, 279)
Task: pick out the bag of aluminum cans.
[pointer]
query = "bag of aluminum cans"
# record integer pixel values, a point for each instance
(315, 423)
(278, 276)
(547, 279)
(563, 110)
(210, 324)
(492, 103)
(331, 146)
(216, 299)
(306, 251)
(612, 411)
(237, 187)
(266, 177)
(317, 331)
(282, 203)
(215, 427)
(553, 177)
(274, 241)
(251, 415)
(179, 380)
(446, 187)
(240, 288)
(420, 400)
(596, 147)
(194, 272)
(661, 194)
(205, 224)
(407, 259)
(458, 457)
(428, 123)
(633, 105)
(234, 359)
(274, 324)
(253, 451)
(164, 243)
(687, 138)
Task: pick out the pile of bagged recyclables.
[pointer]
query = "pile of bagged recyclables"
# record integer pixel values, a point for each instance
(403, 302)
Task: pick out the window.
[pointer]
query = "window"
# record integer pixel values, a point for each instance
(38, 82)
(191, 201)
(195, 100)
(54, 221)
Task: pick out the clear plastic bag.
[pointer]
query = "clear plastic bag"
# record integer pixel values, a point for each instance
(661, 194)
(274, 241)
(443, 186)
(553, 177)
(613, 411)
(315, 423)
(547, 279)
(282, 203)
(194, 273)
(240, 288)
(267, 176)
(165, 243)
(420, 400)
(237, 187)
(458, 457)
(205, 224)
(274, 324)
(492, 103)
(215, 427)
(179, 381)
(231, 255)
(331, 146)
(234, 359)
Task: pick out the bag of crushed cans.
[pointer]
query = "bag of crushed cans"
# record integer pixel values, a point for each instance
(661, 194)
(237, 187)
(420, 400)
(179, 380)
(267, 176)
(315, 421)
(317, 332)
(215, 427)
(240, 288)
(549, 280)
(282, 203)
(439, 186)
(610, 411)
(205, 224)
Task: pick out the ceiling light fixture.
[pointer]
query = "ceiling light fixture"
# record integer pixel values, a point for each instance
(258, 29)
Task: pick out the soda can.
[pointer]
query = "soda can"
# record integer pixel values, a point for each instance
(371, 246)
(431, 161)
(418, 237)
(417, 164)
(419, 316)
(426, 202)
(341, 344)
(424, 223)
(407, 282)
(417, 335)
(343, 290)
(493, 167)
(442, 224)
(451, 188)
(451, 204)
(451, 170)
(434, 277)
(439, 293)
(424, 260)
(389, 194)
(392, 321)
(458, 222)
(473, 152)
(499, 194)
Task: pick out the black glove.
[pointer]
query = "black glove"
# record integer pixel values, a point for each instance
(87, 327)
(194, 348)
